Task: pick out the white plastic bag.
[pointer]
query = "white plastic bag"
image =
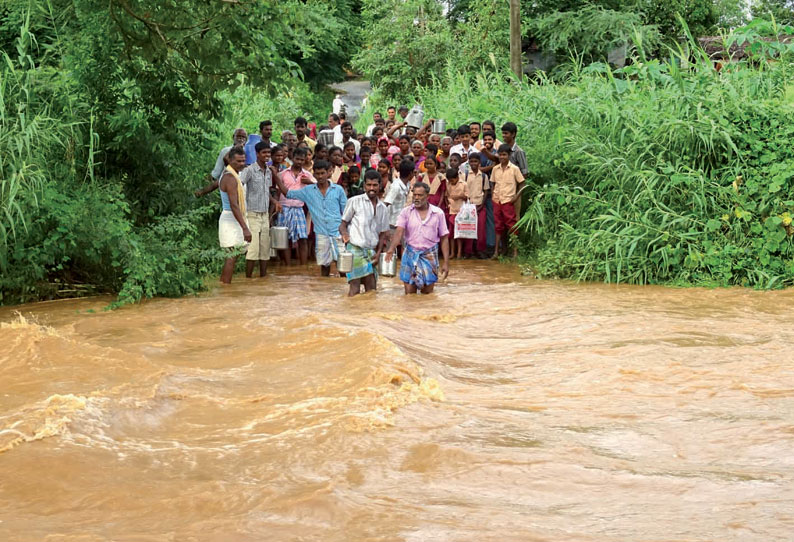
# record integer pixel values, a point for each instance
(466, 222)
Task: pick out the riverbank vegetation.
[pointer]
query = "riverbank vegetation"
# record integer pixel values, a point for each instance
(112, 115)
(665, 171)
(670, 170)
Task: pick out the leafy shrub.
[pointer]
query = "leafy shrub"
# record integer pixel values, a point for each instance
(662, 172)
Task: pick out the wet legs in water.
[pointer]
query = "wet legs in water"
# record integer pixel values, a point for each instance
(410, 288)
(303, 253)
(355, 285)
(228, 270)
(251, 264)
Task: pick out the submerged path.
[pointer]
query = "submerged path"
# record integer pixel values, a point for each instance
(353, 93)
(498, 409)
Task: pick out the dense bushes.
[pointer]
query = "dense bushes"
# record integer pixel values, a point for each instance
(663, 172)
(104, 135)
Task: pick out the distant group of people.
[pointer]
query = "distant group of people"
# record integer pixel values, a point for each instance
(395, 189)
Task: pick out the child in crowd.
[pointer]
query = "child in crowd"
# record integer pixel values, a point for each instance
(354, 181)
(309, 163)
(396, 159)
(278, 158)
(384, 170)
(404, 142)
(337, 161)
(436, 181)
(365, 160)
(507, 182)
(454, 161)
(383, 152)
(349, 157)
(457, 194)
(478, 186)
(320, 152)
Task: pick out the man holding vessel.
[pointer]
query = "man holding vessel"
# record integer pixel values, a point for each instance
(365, 229)
(425, 229)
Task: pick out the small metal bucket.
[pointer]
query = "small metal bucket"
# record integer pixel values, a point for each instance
(279, 237)
(415, 117)
(439, 126)
(344, 264)
(387, 269)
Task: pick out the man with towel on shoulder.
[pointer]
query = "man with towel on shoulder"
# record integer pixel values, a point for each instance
(233, 232)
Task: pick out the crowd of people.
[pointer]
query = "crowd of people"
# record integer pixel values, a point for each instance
(395, 189)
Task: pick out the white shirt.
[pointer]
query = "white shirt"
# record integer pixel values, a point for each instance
(369, 129)
(338, 135)
(398, 192)
(365, 222)
(459, 149)
(337, 105)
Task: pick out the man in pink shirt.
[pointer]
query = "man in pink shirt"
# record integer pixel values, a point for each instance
(425, 227)
(292, 215)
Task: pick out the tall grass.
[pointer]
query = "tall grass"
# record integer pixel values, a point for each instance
(665, 171)
(35, 138)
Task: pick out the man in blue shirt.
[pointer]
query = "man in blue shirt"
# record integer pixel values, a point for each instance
(326, 202)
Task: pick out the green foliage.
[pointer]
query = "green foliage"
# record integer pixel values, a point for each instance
(590, 33)
(407, 43)
(112, 113)
(782, 11)
(662, 172)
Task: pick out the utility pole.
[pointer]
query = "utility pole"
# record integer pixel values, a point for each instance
(515, 38)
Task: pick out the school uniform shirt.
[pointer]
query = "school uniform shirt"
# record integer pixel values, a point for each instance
(504, 182)
(365, 222)
(478, 183)
(458, 189)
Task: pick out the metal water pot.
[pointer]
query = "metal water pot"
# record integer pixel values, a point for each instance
(439, 126)
(387, 269)
(344, 264)
(415, 117)
(279, 237)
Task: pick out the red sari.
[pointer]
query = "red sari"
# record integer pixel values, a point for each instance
(438, 190)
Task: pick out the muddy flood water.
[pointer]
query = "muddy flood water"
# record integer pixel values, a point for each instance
(500, 408)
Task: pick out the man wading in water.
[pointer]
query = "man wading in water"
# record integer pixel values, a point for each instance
(326, 202)
(367, 219)
(233, 230)
(258, 178)
(425, 227)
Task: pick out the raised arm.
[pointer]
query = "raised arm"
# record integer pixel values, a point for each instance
(397, 126)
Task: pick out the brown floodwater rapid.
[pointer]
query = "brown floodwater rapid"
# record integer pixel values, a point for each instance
(499, 408)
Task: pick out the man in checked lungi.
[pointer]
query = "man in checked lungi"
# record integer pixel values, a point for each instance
(425, 228)
(365, 231)
(326, 202)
